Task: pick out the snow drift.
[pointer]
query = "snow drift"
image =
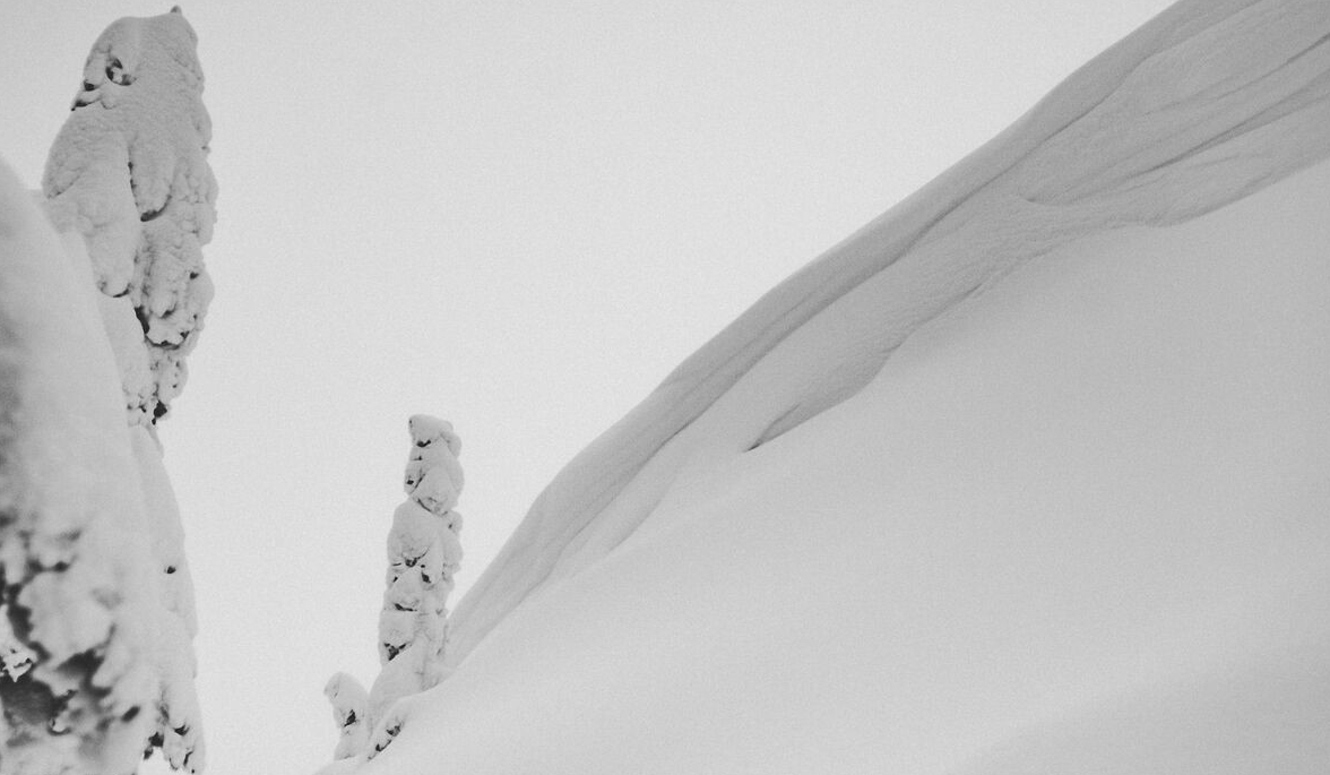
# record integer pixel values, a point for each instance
(1207, 103)
(1028, 475)
(1075, 526)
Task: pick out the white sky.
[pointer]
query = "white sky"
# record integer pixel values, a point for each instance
(517, 216)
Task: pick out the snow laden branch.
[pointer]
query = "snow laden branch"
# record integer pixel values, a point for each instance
(102, 296)
(424, 553)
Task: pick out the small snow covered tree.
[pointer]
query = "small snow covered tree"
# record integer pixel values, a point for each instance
(350, 712)
(130, 193)
(424, 553)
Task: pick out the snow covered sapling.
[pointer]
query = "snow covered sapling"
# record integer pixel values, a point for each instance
(424, 553)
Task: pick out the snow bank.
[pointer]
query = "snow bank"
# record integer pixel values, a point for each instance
(1076, 525)
(1205, 104)
(1027, 472)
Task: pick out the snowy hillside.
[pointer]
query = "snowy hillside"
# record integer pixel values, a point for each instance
(1026, 476)
(1207, 103)
(1082, 515)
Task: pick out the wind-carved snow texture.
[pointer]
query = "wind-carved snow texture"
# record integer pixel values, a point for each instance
(1207, 103)
(424, 554)
(130, 193)
(129, 171)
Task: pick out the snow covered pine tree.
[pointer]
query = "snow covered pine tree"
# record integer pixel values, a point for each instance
(424, 553)
(130, 192)
(130, 172)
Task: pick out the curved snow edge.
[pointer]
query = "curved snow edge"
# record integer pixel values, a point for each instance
(1207, 103)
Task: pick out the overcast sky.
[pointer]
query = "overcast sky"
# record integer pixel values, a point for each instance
(516, 216)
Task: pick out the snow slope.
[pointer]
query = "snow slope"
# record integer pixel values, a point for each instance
(1026, 476)
(1080, 520)
(1204, 104)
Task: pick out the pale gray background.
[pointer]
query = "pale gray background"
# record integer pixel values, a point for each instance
(518, 216)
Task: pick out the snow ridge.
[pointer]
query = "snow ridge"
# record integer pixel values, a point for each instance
(1204, 105)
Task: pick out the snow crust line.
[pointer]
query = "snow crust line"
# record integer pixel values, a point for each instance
(1092, 495)
(1205, 104)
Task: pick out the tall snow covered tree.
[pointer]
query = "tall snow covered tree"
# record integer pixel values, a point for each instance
(424, 553)
(130, 172)
(130, 194)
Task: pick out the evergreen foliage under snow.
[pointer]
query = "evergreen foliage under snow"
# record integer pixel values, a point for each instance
(424, 554)
(103, 295)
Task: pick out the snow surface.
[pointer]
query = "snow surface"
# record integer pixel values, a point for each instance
(1027, 475)
(1076, 526)
(1203, 105)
